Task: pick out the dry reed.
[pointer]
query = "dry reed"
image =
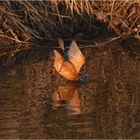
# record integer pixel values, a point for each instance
(22, 21)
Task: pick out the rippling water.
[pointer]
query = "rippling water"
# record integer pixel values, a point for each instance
(35, 103)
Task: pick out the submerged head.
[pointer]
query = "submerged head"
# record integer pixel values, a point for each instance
(84, 77)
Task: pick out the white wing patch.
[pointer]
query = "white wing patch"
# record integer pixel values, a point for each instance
(75, 56)
(61, 43)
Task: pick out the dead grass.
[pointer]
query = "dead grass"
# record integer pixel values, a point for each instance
(22, 21)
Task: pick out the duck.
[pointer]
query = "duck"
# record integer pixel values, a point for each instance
(69, 63)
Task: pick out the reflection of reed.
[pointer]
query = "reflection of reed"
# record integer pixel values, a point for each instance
(117, 98)
(37, 82)
(10, 99)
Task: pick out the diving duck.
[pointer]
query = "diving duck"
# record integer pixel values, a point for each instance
(68, 64)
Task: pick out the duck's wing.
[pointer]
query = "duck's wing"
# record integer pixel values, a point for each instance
(75, 56)
(61, 43)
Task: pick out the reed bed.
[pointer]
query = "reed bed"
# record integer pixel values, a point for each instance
(24, 21)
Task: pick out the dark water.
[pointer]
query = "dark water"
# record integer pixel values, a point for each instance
(34, 103)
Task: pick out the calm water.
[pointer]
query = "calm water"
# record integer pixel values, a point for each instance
(35, 103)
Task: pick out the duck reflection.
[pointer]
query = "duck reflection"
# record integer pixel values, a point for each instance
(67, 96)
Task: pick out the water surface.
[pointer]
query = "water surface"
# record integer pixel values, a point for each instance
(36, 103)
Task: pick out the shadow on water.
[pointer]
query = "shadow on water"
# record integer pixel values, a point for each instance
(34, 103)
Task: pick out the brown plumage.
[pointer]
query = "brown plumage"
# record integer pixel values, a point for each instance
(69, 68)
